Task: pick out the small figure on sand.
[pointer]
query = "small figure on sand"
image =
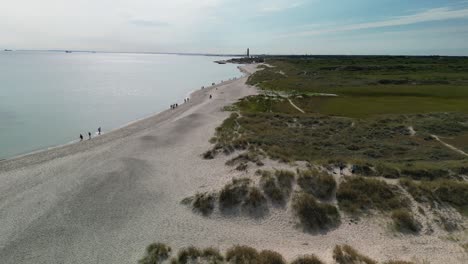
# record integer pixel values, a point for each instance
(211, 96)
(81, 137)
(99, 131)
(89, 134)
(185, 100)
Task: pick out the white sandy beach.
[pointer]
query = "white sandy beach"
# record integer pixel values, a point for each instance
(104, 200)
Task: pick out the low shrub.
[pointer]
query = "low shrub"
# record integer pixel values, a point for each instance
(234, 193)
(308, 259)
(321, 185)
(358, 195)
(254, 199)
(285, 179)
(212, 256)
(271, 257)
(210, 154)
(405, 222)
(452, 192)
(204, 203)
(345, 254)
(156, 253)
(314, 215)
(271, 189)
(362, 168)
(387, 171)
(188, 255)
(242, 255)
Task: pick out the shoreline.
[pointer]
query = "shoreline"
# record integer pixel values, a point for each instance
(5, 162)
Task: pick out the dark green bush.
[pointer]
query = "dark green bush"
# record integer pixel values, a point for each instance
(234, 193)
(321, 185)
(156, 253)
(271, 257)
(345, 254)
(405, 222)
(314, 215)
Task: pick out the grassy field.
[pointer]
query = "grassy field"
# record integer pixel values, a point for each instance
(379, 114)
(378, 85)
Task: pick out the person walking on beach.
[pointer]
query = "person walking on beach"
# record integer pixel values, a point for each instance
(211, 96)
(89, 134)
(81, 137)
(99, 131)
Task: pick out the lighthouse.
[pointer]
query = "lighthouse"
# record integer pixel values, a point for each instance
(248, 53)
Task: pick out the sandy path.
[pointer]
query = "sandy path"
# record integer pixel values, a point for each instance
(450, 146)
(295, 106)
(105, 200)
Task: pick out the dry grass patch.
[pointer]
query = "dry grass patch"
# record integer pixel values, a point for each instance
(345, 254)
(308, 259)
(359, 195)
(405, 222)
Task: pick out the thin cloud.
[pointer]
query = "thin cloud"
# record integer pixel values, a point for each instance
(148, 23)
(436, 14)
(277, 6)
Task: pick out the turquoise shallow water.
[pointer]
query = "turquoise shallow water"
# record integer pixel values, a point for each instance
(49, 98)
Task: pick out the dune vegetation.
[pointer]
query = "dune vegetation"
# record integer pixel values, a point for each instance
(239, 254)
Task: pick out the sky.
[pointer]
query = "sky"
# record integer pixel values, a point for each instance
(393, 27)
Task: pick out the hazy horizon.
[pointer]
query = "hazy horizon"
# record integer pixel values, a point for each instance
(318, 27)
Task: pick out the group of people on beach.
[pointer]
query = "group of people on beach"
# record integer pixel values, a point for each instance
(89, 134)
(174, 106)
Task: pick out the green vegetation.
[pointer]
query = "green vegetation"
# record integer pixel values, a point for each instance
(379, 85)
(271, 257)
(311, 137)
(156, 253)
(255, 199)
(359, 195)
(452, 192)
(315, 216)
(235, 193)
(285, 180)
(242, 255)
(308, 259)
(204, 203)
(345, 254)
(376, 116)
(405, 222)
(321, 185)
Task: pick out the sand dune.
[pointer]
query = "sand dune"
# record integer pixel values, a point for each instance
(105, 200)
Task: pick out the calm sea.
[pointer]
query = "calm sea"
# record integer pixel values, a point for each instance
(49, 98)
